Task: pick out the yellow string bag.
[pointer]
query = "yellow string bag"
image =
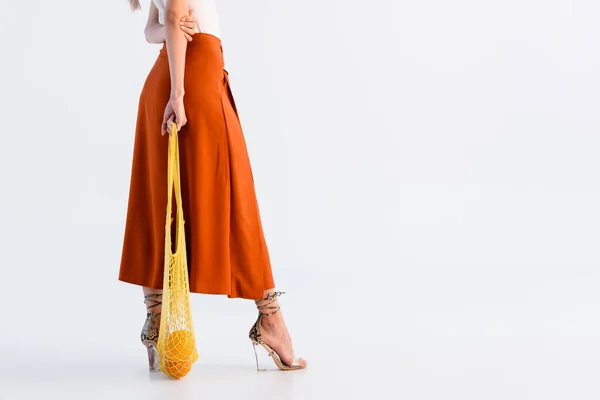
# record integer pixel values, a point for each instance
(176, 342)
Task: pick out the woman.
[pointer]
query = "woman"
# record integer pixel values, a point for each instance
(226, 248)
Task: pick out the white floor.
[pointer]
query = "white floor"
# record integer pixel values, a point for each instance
(426, 338)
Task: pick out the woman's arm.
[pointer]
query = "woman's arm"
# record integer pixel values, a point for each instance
(155, 32)
(176, 46)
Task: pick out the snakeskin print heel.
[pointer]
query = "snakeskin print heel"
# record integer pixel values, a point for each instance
(149, 333)
(265, 309)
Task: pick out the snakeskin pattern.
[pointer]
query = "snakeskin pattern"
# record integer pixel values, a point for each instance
(150, 329)
(151, 326)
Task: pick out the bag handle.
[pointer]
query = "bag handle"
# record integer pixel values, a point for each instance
(174, 183)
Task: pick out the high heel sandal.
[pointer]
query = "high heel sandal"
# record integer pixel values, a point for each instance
(265, 309)
(149, 334)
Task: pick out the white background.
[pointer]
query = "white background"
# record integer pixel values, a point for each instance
(428, 179)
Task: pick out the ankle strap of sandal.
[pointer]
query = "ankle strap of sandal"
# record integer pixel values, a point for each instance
(155, 300)
(265, 307)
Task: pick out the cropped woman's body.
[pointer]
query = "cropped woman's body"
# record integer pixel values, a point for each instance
(227, 252)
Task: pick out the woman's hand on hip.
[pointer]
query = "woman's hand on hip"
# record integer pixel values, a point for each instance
(175, 111)
(188, 25)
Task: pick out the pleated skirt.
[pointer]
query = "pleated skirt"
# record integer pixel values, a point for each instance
(226, 248)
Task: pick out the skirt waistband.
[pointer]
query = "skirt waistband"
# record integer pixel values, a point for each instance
(204, 42)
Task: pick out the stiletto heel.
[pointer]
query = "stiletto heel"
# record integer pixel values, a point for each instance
(254, 344)
(152, 356)
(149, 335)
(256, 335)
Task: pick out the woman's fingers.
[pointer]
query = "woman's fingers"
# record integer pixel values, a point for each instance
(166, 125)
(189, 31)
(188, 28)
(189, 23)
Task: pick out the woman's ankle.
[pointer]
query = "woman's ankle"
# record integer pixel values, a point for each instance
(269, 305)
(153, 300)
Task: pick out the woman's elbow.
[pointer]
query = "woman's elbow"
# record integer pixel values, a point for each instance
(172, 16)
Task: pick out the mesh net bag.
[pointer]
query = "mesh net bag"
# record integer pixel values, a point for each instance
(176, 342)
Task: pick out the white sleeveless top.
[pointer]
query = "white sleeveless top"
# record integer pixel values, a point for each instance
(205, 12)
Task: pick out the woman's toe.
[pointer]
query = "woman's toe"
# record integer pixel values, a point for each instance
(301, 362)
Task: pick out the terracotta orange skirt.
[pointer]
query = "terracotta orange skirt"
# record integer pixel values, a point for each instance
(226, 248)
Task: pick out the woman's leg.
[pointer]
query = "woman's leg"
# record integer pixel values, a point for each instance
(152, 298)
(273, 329)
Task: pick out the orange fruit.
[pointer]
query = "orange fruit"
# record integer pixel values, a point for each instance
(180, 346)
(177, 369)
